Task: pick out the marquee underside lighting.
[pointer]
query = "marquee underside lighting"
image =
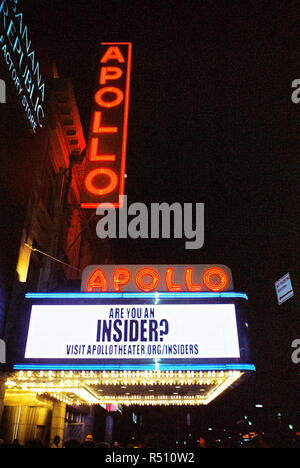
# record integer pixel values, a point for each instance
(90, 387)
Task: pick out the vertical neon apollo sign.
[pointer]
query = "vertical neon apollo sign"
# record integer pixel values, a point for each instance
(104, 176)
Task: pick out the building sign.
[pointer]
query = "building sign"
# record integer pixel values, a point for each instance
(284, 289)
(133, 331)
(131, 348)
(169, 278)
(20, 60)
(106, 150)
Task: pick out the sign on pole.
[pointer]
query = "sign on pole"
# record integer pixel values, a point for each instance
(284, 288)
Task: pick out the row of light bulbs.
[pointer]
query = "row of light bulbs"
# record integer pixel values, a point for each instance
(60, 388)
(76, 383)
(134, 400)
(118, 374)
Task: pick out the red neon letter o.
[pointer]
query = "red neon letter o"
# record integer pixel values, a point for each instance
(223, 279)
(109, 89)
(108, 189)
(149, 272)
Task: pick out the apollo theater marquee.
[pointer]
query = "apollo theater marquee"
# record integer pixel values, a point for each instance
(136, 334)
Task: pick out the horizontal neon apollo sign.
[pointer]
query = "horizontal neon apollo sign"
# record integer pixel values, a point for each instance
(168, 278)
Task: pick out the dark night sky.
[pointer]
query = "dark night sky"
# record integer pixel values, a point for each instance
(211, 120)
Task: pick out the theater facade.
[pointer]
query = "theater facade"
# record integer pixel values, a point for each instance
(132, 334)
(131, 342)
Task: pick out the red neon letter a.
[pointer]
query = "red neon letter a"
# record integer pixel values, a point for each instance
(113, 53)
(97, 280)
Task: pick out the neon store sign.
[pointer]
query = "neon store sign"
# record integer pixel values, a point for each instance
(168, 278)
(21, 63)
(104, 177)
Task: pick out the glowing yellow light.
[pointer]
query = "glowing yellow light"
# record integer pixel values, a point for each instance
(81, 386)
